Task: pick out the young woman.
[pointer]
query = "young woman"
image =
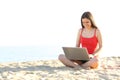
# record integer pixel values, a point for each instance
(89, 36)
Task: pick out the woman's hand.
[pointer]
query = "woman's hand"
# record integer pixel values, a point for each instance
(96, 55)
(91, 56)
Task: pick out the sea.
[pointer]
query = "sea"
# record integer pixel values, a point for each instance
(29, 53)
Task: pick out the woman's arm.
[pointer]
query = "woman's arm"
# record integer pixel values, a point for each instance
(98, 34)
(78, 38)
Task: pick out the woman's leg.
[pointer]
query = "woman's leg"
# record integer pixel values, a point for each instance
(92, 63)
(66, 61)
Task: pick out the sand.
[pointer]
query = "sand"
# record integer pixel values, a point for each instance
(55, 70)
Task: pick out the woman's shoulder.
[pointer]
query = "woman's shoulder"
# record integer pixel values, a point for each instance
(98, 32)
(80, 29)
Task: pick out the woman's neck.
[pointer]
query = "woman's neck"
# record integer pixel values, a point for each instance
(88, 29)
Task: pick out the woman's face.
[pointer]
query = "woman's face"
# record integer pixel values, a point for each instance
(86, 23)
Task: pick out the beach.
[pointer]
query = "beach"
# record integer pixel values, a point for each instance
(55, 70)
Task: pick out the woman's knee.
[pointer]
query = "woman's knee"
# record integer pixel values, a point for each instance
(61, 57)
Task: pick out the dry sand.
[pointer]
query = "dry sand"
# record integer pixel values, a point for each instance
(55, 70)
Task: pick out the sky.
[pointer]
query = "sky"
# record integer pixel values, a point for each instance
(56, 22)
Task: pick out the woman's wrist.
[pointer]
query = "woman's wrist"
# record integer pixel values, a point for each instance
(95, 55)
(91, 56)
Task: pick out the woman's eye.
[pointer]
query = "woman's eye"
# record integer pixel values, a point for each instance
(85, 22)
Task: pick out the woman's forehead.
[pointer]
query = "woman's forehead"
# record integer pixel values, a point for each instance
(85, 19)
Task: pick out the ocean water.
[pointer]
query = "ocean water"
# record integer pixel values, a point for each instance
(29, 53)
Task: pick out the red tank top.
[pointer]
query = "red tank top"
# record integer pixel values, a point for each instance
(89, 43)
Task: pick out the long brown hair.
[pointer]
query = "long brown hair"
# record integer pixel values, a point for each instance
(89, 16)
